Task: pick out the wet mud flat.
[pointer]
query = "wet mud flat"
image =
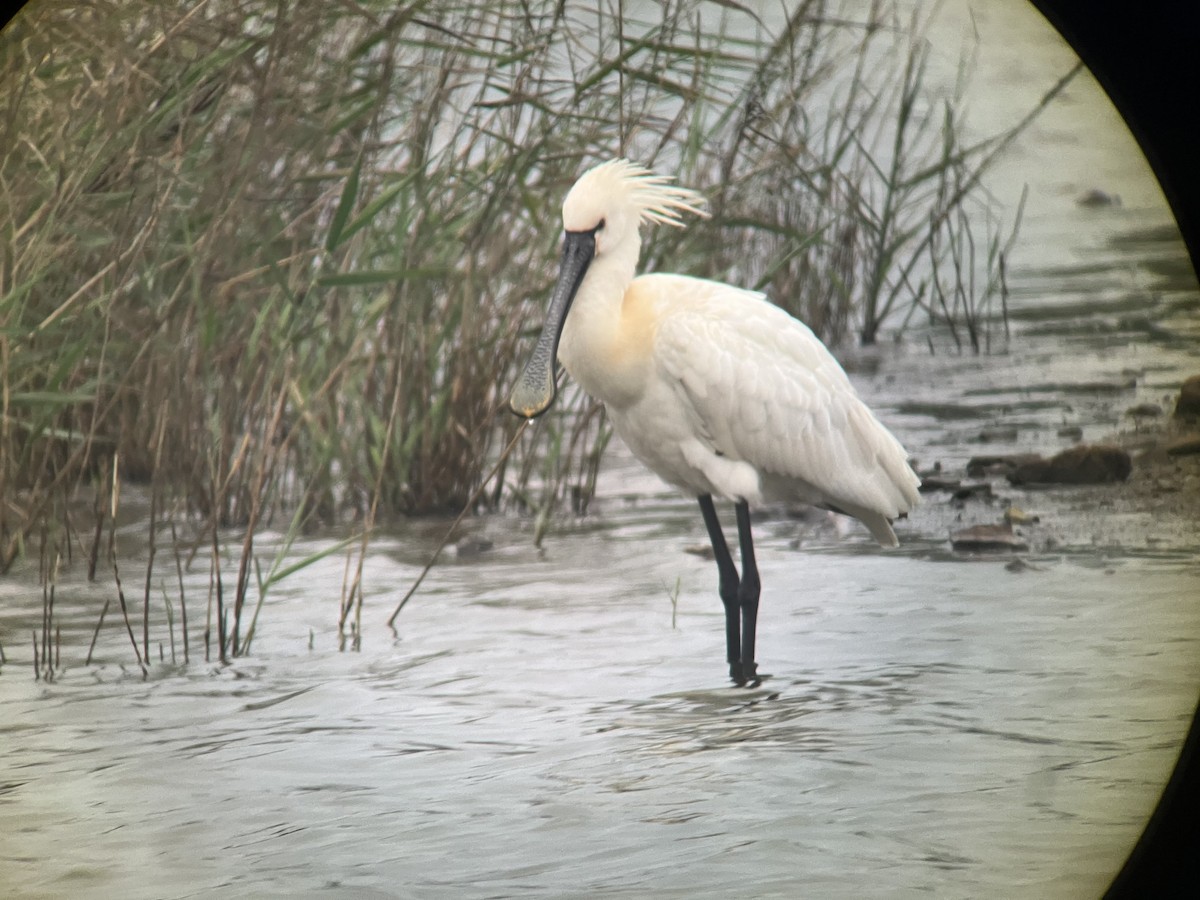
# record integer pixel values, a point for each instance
(1137, 490)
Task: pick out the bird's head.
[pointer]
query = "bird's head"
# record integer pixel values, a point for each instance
(601, 216)
(612, 199)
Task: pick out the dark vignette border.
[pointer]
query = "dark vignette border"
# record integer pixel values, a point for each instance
(1146, 56)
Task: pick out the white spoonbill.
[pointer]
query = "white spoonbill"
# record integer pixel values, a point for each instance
(714, 388)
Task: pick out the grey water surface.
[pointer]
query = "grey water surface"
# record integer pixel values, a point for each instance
(555, 725)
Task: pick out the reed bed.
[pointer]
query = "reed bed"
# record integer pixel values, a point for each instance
(277, 264)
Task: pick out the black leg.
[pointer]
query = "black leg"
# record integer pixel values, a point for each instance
(729, 589)
(748, 592)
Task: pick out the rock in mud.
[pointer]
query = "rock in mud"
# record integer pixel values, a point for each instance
(471, 547)
(1188, 445)
(1144, 411)
(982, 466)
(980, 490)
(1082, 464)
(1188, 404)
(932, 483)
(998, 434)
(1014, 515)
(987, 537)
(1096, 197)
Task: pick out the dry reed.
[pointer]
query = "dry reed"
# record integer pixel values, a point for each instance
(280, 261)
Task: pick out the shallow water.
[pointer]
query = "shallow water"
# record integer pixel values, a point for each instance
(553, 725)
(556, 723)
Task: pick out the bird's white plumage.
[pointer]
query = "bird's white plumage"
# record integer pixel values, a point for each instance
(714, 388)
(623, 186)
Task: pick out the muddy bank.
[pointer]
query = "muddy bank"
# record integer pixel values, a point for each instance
(1135, 488)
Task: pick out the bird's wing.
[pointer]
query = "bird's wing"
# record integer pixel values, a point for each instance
(764, 389)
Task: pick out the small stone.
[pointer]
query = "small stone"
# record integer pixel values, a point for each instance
(1187, 445)
(1188, 403)
(982, 466)
(470, 547)
(1144, 411)
(987, 537)
(932, 483)
(1096, 197)
(1082, 464)
(981, 490)
(1014, 515)
(998, 434)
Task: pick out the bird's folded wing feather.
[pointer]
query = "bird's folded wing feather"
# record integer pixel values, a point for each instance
(764, 389)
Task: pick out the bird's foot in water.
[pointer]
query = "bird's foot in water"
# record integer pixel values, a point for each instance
(743, 675)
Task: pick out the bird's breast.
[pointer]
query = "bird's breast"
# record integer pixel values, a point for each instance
(608, 345)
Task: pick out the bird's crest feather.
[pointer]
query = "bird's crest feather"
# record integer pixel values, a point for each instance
(655, 196)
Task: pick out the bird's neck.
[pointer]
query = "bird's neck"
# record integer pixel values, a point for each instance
(592, 337)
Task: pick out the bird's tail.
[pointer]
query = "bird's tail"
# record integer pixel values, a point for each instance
(877, 523)
(880, 528)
